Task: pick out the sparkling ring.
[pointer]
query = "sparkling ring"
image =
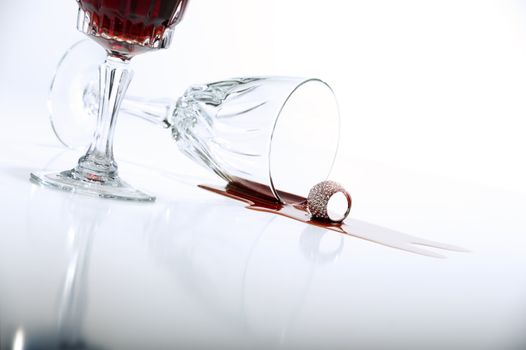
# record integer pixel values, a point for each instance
(319, 197)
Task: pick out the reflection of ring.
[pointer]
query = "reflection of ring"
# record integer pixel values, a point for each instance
(319, 197)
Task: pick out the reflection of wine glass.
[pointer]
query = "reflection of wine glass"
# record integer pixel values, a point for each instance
(282, 133)
(84, 219)
(71, 226)
(124, 29)
(230, 273)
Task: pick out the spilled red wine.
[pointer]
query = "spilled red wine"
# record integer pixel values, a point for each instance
(131, 25)
(260, 198)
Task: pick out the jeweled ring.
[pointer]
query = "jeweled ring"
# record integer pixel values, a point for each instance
(319, 197)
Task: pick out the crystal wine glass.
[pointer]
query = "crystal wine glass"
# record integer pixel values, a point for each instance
(273, 134)
(124, 28)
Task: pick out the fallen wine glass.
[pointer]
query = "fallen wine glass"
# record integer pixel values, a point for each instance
(280, 133)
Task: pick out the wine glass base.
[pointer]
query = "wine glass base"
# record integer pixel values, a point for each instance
(114, 189)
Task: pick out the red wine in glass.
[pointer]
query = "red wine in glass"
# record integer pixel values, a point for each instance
(130, 27)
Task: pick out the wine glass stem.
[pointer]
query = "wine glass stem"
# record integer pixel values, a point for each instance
(155, 111)
(98, 163)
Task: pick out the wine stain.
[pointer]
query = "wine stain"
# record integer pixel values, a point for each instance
(259, 197)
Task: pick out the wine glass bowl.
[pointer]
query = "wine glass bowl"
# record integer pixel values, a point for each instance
(130, 27)
(274, 135)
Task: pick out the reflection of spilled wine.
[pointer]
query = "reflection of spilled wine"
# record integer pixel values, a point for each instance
(260, 198)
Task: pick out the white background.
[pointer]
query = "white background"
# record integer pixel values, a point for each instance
(432, 86)
(432, 101)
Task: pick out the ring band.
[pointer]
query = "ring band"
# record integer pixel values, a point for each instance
(319, 197)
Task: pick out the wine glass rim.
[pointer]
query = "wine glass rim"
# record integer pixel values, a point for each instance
(302, 82)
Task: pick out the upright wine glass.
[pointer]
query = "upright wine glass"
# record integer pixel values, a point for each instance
(124, 28)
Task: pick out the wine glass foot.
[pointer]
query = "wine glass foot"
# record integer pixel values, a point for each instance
(112, 189)
(73, 95)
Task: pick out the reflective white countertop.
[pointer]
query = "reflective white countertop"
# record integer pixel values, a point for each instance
(196, 270)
